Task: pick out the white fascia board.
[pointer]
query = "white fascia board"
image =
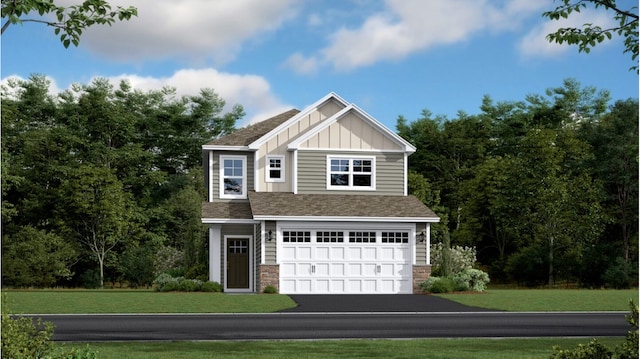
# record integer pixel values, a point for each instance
(228, 221)
(225, 148)
(294, 145)
(348, 219)
(408, 147)
(257, 143)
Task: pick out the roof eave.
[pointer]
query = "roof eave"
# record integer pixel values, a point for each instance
(346, 219)
(225, 148)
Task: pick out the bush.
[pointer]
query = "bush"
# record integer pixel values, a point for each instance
(593, 350)
(189, 285)
(270, 290)
(24, 338)
(620, 274)
(167, 283)
(90, 279)
(211, 287)
(438, 285)
(471, 279)
(460, 258)
(199, 272)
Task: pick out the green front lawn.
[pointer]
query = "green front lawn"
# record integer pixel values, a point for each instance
(147, 301)
(543, 300)
(422, 348)
(140, 301)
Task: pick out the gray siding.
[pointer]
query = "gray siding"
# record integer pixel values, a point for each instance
(312, 172)
(270, 247)
(421, 248)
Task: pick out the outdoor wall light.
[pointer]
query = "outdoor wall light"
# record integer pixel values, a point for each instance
(269, 236)
(421, 237)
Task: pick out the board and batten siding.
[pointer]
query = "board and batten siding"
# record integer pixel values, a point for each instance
(277, 145)
(351, 132)
(214, 174)
(312, 172)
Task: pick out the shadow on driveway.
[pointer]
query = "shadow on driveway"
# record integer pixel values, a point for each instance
(313, 303)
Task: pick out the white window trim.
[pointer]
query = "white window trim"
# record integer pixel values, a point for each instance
(351, 187)
(244, 177)
(267, 168)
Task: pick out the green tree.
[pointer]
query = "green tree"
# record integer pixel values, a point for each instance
(70, 21)
(615, 146)
(587, 37)
(35, 258)
(98, 210)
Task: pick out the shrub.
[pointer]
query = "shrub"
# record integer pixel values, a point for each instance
(198, 271)
(167, 283)
(90, 279)
(211, 287)
(460, 258)
(593, 350)
(270, 290)
(471, 279)
(189, 285)
(24, 338)
(438, 285)
(619, 275)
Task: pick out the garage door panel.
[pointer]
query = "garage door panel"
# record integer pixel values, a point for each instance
(322, 253)
(303, 253)
(338, 253)
(370, 253)
(355, 253)
(338, 269)
(322, 269)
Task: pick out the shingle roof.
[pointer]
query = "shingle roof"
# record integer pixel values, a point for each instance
(247, 135)
(286, 204)
(226, 210)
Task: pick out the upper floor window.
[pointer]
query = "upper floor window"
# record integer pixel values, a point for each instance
(351, 173)
(275, 169)
(233, 177)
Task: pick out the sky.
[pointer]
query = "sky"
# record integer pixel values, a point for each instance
(391, 58)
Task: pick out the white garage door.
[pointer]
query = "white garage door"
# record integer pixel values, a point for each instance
(349, 262)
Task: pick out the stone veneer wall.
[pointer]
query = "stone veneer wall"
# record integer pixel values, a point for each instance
(269, 275)
(420, 274)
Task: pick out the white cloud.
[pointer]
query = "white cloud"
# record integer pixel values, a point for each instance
(189, 30)
(408, 26)
(251, 91)
(535, 44)
(301, 64)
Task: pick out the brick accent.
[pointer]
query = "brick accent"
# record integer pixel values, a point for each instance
(269, 275)
(420, 274)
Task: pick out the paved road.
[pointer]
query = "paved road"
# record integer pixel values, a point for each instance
(96, 328)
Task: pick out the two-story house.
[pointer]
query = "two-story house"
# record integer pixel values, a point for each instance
(315, 201)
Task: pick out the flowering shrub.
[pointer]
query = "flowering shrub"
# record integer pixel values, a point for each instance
(460, 258)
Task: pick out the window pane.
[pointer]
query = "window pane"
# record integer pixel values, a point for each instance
(274, 174)
(274, 163)
(339, 165)
(362, 180)
(233, 186)
(339, 180)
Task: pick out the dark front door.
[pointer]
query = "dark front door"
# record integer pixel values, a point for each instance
(238, 263)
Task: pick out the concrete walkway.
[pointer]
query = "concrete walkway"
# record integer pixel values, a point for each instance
(314, 303)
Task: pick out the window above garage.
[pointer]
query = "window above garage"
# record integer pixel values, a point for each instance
(351, 173)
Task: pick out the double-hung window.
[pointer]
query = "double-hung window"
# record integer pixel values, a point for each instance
(275, 169)
(233, 177)
(352, 173)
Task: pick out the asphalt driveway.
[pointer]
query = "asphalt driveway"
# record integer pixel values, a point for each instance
(326, 303)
